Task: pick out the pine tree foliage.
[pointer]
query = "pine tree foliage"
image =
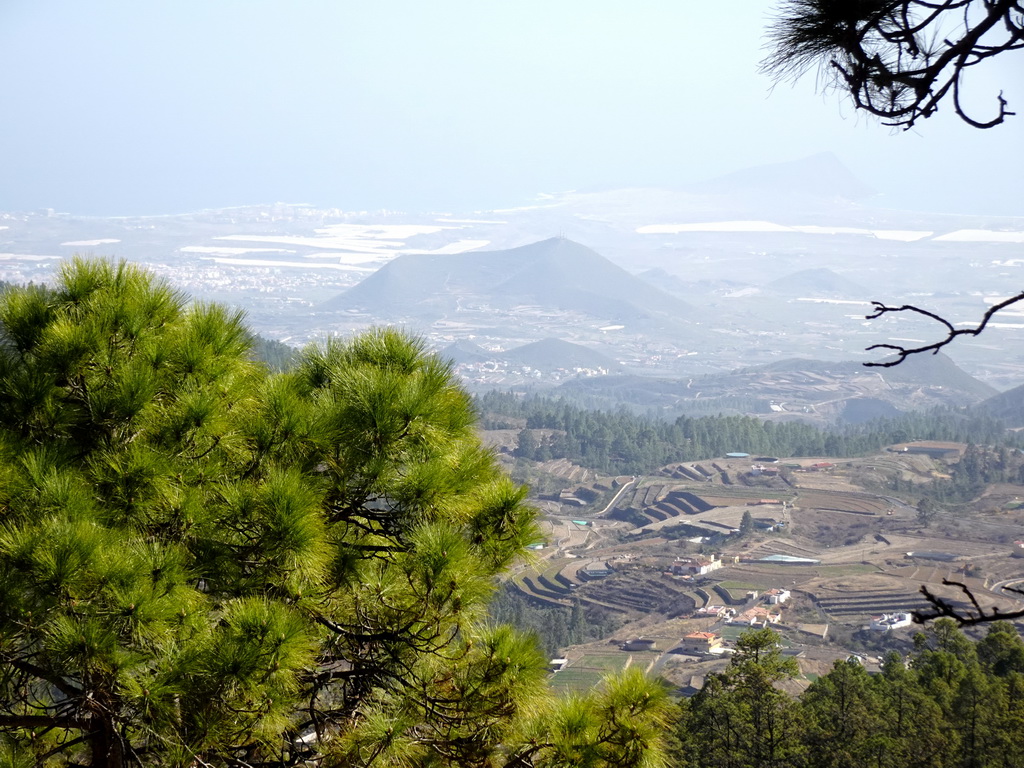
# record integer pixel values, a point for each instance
(897, 59)
(203, 563)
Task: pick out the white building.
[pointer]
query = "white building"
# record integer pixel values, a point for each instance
(695, 566)
(888, 621)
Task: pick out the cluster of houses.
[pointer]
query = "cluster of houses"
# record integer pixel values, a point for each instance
(758, 615)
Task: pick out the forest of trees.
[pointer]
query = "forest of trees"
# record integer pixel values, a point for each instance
(622, 442)
(979, 467)
(952, 702)
(204, 561)
(555, 627)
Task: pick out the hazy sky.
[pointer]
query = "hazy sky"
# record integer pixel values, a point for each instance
(166, 106)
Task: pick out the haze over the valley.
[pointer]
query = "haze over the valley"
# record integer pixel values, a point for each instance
(756, 268)
(495, 176)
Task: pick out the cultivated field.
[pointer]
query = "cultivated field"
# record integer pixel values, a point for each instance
(860, 554)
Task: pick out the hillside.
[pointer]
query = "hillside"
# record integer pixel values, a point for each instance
(1007, 406)
(814, 390)
(688, 289)
(918, 370)
(554, 274)
(936, 371)
(820, 175)
(549, 354)
(465, 351)
(818, 281)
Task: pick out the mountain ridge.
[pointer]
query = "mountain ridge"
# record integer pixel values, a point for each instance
(555, 273)
(815, 390)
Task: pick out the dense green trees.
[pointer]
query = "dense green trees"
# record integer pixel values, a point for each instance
(953, 703)
(202, 563)
(740, 718)
(556, 627)
(623, 442)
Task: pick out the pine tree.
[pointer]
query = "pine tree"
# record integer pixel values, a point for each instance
(527, 444)
(926, 511)
(203, 563)
(740, 719)
(841, 713)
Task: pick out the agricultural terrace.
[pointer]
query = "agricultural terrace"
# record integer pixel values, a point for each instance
(616, 553)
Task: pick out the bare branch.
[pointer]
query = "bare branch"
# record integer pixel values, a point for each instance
(975, 614)
(902, 353)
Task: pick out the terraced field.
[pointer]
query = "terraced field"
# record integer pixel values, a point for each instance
(576, 679)
(656, 503)
(858, 504)
(732, 496)
(906, 465)
(871, 604)
(766, 575)
(528, 584)
(734, 592)
(683, 472)
(659, 505)
(588, 671)
(864, 570)
(568, 534)
(573, 473)
(853, 569)
(780, 546)
(641, 593)
(558, 582)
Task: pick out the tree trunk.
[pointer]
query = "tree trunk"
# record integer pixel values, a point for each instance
(106, 745)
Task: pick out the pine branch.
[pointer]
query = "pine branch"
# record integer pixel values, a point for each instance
(56, 681)
(41, 721)
(897, 59)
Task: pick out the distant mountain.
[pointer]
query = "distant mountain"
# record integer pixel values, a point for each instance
(934, 371)
(815, 390)
(544, 355)
(686, 289)
(552, 274)
(817, 281)
(1007, 406)
(465, 351)
(549, 354)
(820, 175)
